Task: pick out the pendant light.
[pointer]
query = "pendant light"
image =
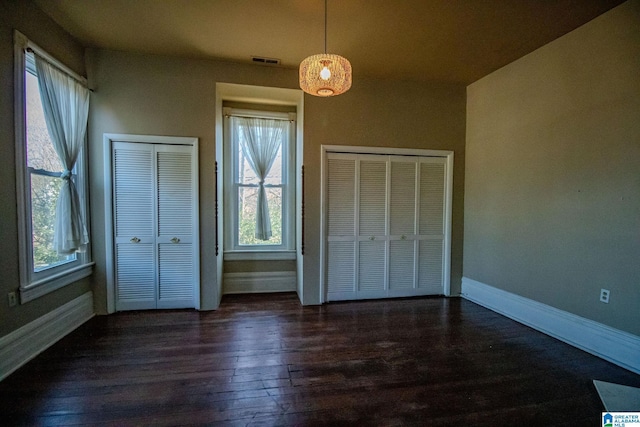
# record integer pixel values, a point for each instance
(325, 74)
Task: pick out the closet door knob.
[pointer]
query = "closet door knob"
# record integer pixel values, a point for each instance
(175, 240)
(403, 237)
(372, 238)
(135, 240)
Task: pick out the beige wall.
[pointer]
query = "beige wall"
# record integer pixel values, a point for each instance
(552, 195)
(28, 19)
(145, 94)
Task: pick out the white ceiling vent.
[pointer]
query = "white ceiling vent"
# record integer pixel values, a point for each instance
(265, 61)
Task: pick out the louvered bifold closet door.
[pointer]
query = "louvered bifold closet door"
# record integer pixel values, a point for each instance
(134, 226)
(431, 225)
(175, 242)
(403, 227)
(341, 236)
(372, 227)
(386, 225)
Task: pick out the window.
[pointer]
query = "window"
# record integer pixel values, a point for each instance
(41, 177)
(44, 169)
(259, 154)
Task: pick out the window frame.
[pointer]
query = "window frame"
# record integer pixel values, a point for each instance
(34, 284)
(232, 249)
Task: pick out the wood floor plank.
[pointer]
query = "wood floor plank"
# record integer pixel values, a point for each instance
(265, 360)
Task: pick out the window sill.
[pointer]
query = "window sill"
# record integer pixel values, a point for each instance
(50, 284)
(259, 255)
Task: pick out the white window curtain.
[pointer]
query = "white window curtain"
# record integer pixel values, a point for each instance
(262, 139)
(66, 106)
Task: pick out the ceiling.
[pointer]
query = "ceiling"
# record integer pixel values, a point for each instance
(445, 40)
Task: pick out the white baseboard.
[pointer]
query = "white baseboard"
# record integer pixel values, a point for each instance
(259, 282)
(25, 343)
(600, 340)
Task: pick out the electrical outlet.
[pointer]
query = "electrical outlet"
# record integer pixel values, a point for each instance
(13, 299)
(604, 296)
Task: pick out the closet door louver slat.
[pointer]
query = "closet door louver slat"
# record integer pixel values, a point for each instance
(133, 185)
(432, 198)
(175, 198)
(340, 267)
(373, 198)
(403, 198)
(135, 276)
(371, 268)
(430, 266)
(401, 264)
(175, 281)
(341, 197)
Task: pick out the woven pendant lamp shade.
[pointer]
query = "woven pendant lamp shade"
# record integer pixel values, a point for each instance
(325, 74)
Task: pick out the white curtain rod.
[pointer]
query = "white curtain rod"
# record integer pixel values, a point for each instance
(252, 114)
(76, 77)
(31, 47)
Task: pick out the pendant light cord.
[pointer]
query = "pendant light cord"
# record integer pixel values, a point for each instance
(325, 26)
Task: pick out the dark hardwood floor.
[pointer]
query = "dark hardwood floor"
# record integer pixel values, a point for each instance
(266, 360)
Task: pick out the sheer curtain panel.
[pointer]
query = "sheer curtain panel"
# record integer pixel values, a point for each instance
(66, 106)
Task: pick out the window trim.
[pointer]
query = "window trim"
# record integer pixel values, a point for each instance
(232, 250)
(32, 284)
